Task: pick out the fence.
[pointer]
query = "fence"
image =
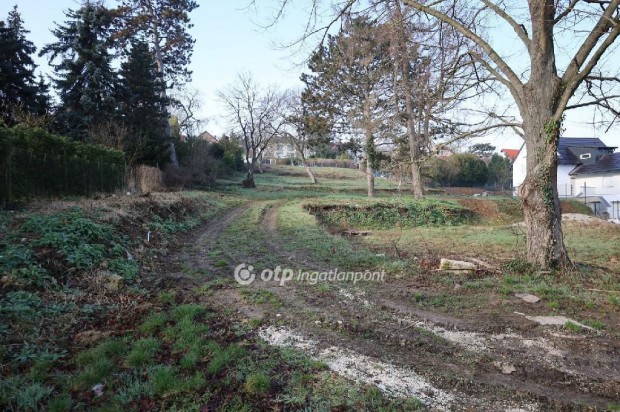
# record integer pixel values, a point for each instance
(36, 163)
(341, 163)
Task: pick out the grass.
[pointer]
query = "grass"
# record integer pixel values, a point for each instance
(573, 327)
(261, 296)
(182, 356)
(143, 352)
(301, 233)
(153, 322)
(257, 384)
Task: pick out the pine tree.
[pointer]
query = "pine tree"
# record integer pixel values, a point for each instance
(85, 80)
(19, 88)
(164, 24)
(143, 106)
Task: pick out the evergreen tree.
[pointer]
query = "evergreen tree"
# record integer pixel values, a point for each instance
(164, 24)
(350, 86)
(143, 105)
(19, 88)
(500, 171)
(85, 80)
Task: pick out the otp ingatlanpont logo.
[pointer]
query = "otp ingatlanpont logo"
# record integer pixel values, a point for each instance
(244, 274)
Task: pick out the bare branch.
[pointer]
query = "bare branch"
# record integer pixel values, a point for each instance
(515, 85)
(518, 28)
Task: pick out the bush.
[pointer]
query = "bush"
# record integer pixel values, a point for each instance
(41, 164)
(201, 162)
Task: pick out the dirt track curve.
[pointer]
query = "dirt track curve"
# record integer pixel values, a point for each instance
(484, 363)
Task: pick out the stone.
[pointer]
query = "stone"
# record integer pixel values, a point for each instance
(528, 298)
(98, 389)
(555, 321)
(506, 368)
(112, 281)
(457, 266)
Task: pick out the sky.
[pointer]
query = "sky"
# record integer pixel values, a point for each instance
(230, 41)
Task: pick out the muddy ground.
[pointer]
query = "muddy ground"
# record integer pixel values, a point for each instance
(485, 357)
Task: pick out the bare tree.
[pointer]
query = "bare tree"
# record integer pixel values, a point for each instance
(543, 95)
(186, 102)
(256, 114)
(119, 136)
(541, 90)
(297, 131)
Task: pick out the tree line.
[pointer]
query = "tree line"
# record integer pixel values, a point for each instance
(113, 72)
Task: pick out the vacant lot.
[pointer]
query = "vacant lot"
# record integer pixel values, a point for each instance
(132, 304)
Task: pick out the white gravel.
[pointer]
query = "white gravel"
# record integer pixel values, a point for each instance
(389, 378)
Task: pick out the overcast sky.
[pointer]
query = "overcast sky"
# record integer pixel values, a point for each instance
(228, 41)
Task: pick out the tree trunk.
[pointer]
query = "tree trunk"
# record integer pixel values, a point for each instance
(370, 177)
(539, 192)
(416, 179)
(369, 145)
(541, 125)
(402, 58)
(302, 156)
(159, 58)
(311, 174)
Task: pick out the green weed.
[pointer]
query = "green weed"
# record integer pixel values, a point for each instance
(167, 297)
(153, 322)
(257, 384)
(143, 352)
(573, 327)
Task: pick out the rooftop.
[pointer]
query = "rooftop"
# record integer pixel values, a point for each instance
(607, 163)
(567, 157)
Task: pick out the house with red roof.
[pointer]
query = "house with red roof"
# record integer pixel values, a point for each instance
(511, 154)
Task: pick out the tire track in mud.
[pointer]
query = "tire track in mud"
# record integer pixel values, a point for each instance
(543, 368)
(336, 314)
(386, 330)
(195, 252)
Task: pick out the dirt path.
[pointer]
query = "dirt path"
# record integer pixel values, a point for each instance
(376, 335)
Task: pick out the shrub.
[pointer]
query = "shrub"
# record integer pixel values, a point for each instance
(41, 164)
(257, 384)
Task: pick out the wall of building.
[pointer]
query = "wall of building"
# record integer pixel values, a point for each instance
(519, 172)
(606, 185)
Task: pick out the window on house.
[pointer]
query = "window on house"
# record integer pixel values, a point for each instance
(585, 156)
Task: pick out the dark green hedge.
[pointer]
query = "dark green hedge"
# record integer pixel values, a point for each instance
(36, 163)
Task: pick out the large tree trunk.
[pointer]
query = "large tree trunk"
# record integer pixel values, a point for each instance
(416, 179)
(541, 124)
(539, 192)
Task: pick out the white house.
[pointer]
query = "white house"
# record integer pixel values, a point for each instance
(572, 152)
(599, 184)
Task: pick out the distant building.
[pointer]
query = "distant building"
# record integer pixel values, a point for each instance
(207, 137)
(572, 152)
(511, 154)
(598, 184)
